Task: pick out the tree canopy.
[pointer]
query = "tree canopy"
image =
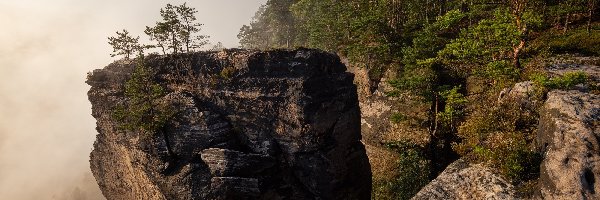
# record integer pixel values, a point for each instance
(177, 32)
(124, 44)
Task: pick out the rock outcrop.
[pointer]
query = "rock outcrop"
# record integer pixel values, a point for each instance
(462, 180)
(568, 135)
(521, 93)
(251, 125)
(570, 63)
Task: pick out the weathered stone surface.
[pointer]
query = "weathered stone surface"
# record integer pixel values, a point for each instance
(226, 188)
(568, 135)
(223, 162)
(521, 92)
(257, 125)
(376, 127)
(571, 63)
(462, 180)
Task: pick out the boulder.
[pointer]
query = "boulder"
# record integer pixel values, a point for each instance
(462, 180)
(568, 136)
(521, 92)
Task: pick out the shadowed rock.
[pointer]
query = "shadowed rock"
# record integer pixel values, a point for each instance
(250, 125)
(223, 162)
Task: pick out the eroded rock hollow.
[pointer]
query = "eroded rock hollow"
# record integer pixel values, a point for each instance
(249, 125)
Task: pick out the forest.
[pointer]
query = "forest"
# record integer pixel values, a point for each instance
(448, 60)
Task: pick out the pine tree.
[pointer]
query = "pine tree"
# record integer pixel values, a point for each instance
(124, 44)
(178, 30)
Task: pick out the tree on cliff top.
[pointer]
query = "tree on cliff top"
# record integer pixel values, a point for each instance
(124, 44)
(178, 31)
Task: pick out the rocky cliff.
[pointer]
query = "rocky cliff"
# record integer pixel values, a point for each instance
(249, 125)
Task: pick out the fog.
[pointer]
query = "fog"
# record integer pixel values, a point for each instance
(46, 48)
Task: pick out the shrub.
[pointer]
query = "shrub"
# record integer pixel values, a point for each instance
(398, 117)
(566, 81)
(227, 72)
(143, 109)
(573, 41)
(413, 172)
(502, 136)
(454, 103)
(501, 72)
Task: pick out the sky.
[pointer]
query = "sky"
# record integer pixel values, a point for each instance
(46, 49)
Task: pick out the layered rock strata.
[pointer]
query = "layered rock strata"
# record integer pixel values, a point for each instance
(250, 125)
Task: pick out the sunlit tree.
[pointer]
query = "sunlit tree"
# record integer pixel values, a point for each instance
(178, 31)
(124, 44)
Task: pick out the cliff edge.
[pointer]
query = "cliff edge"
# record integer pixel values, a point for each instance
(248, 125)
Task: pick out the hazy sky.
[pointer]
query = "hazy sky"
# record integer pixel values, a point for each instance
(46, 48)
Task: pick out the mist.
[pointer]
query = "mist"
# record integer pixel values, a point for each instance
(46, 49)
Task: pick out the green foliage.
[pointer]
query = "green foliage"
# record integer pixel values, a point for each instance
(398, 117)
(559, 13)
(178, 30)
(501, 73)
(420, 74)
(435, 48)
(125, 44)
(573, 41)
(188, 29)
(502, 136)
(510, 155)
(143, 110)
(368, 33)
(227, 72)
(419, 59)
(490, 39)
(418, 81)
(320, 24)
(273, 26)
(453, 109)
(449, 20)
(413, 169)
(566, 81)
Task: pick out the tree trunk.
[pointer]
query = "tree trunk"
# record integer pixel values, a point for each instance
(518, 10)
(566, 23)
(435, 118)
(516, 54)
(591, 5)
(442, 7)
(174, 41)
(187, 44)
(427, 11)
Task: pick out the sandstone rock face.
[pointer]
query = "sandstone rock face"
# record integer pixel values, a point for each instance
(568, 135)
(461, 180)
(376, 108)
(521, 92)
(251, 125)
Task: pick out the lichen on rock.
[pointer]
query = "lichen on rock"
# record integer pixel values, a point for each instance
(568, 135)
